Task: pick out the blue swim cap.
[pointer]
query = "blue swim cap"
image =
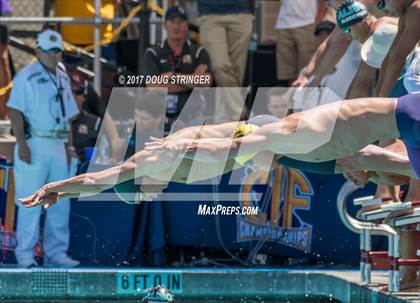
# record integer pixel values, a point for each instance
(350, 13)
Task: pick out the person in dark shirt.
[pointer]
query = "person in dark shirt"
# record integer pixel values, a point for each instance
(93, 103)
(149, 115)
(86, 127)
(178, 57)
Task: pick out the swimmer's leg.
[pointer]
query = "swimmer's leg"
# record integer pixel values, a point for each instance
(408, 250)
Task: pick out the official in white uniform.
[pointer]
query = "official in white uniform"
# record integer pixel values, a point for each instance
(41, 103)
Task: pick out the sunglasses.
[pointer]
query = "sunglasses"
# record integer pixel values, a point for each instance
(53, 50)
(381, 4)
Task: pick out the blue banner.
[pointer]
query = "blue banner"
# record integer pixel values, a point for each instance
(297, 218)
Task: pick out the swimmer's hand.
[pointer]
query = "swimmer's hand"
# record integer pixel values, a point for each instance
(301, 81)
(360, 178)
(40, 197)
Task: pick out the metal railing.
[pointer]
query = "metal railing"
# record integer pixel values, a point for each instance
(365, 229)
(71, 20)
(98, 22)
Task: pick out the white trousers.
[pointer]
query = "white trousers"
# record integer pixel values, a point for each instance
(48, 164)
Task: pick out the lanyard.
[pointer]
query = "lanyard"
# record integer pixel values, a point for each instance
(59, 88)
(176, 63)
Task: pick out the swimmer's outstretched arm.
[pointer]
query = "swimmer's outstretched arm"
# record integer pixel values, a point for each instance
(298, 133)
(140, 164)
(215, 149)
(342, 127)
(222, 130)
(143, 163)
(188, 135)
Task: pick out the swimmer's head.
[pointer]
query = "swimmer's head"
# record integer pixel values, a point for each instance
(243, 129)
(246, 128)
(349, 14)
(361, 30)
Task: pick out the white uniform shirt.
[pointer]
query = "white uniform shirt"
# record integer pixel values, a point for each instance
(34, 93)
(346, 69)
(296, 13)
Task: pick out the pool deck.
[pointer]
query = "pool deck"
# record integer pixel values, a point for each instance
(129, 283)
(375, 289)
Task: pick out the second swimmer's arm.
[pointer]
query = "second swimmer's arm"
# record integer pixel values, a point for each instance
(215, 150)
(204, 131)
(279, 137)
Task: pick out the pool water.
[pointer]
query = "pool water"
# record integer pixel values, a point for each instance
(280, 299)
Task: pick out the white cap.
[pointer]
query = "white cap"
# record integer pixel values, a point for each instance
(376, 47)
(49, 39)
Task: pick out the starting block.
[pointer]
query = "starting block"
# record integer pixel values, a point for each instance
(367, 256)
(367, 201)
(384, 211)
(410, 214)
(393, 248)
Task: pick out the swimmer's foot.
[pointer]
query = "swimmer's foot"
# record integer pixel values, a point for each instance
(410, 285)
(399, 213)
(388, 192)
(405, 285)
